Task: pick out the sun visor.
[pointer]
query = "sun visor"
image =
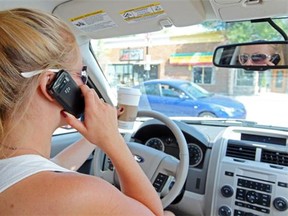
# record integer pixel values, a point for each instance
(105, 19)
(231, 10)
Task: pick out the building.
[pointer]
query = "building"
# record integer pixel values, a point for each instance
(149, 56)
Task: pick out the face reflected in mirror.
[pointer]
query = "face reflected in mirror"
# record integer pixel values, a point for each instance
(253, 56)
(259, 54)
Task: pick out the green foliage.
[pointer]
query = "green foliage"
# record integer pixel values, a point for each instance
(240, 32)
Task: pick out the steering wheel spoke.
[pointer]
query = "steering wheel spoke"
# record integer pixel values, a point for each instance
(147, 157)
(166, 173)
(169, 165)
(164, 176)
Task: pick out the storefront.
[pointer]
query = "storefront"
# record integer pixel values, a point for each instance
(187, 57)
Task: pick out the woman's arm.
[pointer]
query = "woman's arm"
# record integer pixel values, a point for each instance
(100, 126)
(74, 156)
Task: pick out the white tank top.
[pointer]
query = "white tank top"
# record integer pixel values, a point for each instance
(14, 169)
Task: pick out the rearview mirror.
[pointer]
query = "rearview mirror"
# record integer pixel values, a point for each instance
(259, 56)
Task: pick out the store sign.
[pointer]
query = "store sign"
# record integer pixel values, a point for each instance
(131, 54)
(193, 58)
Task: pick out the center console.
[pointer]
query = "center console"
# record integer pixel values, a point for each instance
(251, 175)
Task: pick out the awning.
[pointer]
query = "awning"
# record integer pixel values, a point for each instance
(193, 58)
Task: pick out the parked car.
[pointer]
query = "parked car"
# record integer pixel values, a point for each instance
(183, 98)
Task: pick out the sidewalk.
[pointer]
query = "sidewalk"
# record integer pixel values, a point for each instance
(267, 108)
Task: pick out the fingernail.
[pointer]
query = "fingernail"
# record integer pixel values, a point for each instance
(63, 113)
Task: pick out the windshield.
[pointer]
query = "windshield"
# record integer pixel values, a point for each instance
(174, 71)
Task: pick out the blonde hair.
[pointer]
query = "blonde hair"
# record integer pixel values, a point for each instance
(30, 40)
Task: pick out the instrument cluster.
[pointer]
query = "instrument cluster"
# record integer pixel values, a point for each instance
(169, 145)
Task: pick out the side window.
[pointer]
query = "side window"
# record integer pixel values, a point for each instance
(169, 91)
(151, 89)
(203, 75)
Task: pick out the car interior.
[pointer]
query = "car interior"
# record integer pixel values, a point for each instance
(198, 165)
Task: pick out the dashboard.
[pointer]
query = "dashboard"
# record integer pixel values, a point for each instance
(155, 134)
(232, 170)
(249, 167)
(159, 137)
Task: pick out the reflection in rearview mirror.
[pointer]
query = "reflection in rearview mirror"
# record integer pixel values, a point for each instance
(253, 56)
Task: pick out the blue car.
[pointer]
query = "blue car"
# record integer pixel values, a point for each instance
(181, 97)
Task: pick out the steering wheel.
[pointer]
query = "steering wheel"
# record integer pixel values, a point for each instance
(166, 173)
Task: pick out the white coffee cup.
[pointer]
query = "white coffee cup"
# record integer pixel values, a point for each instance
(128, 100)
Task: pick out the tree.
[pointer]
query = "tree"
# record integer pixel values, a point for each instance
(240, 32)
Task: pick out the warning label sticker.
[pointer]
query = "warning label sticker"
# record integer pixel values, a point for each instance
(142, 13)
(94, 21)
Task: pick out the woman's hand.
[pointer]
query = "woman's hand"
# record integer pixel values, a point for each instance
(100, 124)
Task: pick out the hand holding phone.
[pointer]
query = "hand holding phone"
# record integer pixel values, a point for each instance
(67, 93)
(275, 59)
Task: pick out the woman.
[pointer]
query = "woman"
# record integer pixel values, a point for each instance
(34, 46)
(259, 54)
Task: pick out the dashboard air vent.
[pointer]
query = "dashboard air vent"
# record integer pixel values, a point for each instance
(241, 151)
(274, 157)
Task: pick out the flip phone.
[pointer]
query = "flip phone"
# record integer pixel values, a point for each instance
(67, 93)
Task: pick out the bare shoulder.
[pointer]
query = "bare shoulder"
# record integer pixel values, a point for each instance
(68, 194)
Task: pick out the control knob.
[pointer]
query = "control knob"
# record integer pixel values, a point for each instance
(224, 211)
(280, 204)
(227, 191)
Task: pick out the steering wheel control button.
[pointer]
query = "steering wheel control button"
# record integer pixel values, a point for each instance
(224, 211)
(227, 191)
(110, 165)
(160, 182)
(280, 204)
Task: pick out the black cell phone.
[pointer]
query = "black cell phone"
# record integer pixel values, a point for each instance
(67, 93)
(275, 59)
